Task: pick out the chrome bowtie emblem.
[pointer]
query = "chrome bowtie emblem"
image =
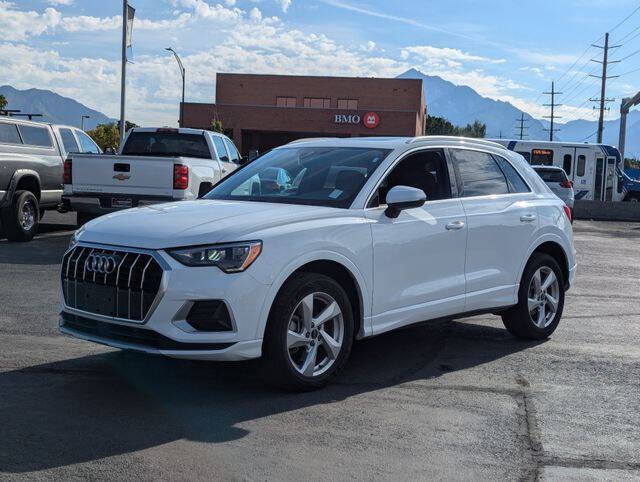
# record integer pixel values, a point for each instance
(121, 177)
(101, 263)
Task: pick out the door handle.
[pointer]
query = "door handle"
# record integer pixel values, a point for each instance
(455, 225)
(527, 218)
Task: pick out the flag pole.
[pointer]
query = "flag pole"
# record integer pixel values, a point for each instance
(124, 69)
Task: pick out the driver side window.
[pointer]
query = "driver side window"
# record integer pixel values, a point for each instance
(425, 170)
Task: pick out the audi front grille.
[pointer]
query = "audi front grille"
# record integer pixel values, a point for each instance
(113, 283)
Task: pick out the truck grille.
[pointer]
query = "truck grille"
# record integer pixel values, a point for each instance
(113, 283)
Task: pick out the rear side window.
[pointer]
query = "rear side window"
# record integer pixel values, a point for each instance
(515, 182)
(166, 143)
(35, 136)
(479, 173)
(87, 144)
(233, 152)
(220, 150)
(551, 175)
(9, 134)
(68, 141)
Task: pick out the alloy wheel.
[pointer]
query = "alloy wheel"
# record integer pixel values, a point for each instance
(543, 297)
(315, 334)
(27, 216)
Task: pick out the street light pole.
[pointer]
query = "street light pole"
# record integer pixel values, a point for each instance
(82, 121)
(182, 71)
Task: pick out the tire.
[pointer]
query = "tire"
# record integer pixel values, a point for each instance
(288, 347)
(528, 324)
(84, 218)
(20, 220)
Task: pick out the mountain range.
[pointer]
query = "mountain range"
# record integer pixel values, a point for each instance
(53, 107)
(460, 104)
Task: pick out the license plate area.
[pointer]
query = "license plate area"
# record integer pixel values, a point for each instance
(121, 202)
(94, 298)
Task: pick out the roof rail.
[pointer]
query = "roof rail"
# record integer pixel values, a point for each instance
(311, 139)
(471, 140)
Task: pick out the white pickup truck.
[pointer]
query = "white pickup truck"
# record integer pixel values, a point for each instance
(154, 165)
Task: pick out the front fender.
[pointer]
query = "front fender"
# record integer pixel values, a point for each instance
(321, 255)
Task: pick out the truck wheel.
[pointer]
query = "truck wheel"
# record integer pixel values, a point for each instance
(20, 220)
(309, 335)
(540, 300)
(84, 218)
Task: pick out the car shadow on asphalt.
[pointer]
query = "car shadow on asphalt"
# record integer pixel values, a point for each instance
(40, 251)
(116, 403)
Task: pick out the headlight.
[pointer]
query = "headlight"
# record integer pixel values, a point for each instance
(76, 237)
(230, 258)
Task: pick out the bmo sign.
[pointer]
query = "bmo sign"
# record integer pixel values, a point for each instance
(370, 119)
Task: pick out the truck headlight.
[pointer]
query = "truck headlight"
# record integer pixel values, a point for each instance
(229, 257)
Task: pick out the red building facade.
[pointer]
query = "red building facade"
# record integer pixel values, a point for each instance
(265, 111)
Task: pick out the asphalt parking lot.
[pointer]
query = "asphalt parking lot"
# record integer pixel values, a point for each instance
(454, 400)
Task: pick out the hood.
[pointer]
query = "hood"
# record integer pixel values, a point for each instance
(190, 223)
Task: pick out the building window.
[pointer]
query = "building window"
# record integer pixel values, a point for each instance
(285, 101)
(348, 104)
(317, 103)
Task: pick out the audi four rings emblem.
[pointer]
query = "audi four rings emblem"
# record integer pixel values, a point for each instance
(101, 263)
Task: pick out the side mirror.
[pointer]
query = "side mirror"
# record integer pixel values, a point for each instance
(403, 197)
(110, 150)
(253, 154)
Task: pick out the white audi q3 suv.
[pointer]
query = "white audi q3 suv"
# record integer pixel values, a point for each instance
(322, 242)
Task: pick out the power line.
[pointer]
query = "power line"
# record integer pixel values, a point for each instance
(553, 94)
(588, 137)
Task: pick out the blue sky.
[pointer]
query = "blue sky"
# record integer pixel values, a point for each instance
(506, 50)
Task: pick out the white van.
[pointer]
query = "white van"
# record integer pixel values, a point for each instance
(593, 168)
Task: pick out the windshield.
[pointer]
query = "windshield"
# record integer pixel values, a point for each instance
(166, 144)
(322, 176)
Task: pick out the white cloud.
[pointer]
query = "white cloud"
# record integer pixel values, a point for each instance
(284, 5)
(449, 56)
(255, 14)
(60, 2)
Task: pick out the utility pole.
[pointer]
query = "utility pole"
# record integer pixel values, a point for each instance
(603, 98)
(553, 104)
(522, 127)
(123, 80)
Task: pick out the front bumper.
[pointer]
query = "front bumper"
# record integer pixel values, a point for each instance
(164, 331)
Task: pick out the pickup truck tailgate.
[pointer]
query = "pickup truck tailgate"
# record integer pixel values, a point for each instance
(139, 175)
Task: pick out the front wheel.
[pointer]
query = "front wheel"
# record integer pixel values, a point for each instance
(310, 332)
(540, 300)
(20, 220)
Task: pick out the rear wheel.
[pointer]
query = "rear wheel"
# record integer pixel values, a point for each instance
(20, 220)
(540, 300)
(309, 334)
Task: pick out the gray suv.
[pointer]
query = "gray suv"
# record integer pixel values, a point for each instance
(558, 182)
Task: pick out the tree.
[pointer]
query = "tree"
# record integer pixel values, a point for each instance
(3, 102)
(108, 135)
(216, 126)
(439, 126)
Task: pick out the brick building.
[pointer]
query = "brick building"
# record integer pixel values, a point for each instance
(265, 111)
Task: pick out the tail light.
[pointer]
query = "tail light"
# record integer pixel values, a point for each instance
(566, 183)
(67, 174)
(567, 211)
(180, 176)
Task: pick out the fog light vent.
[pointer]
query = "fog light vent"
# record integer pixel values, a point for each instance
(211, 315)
